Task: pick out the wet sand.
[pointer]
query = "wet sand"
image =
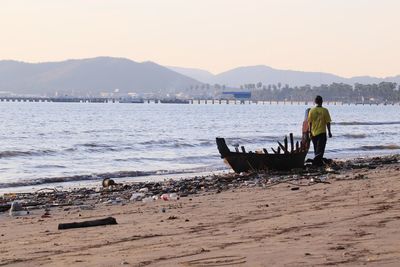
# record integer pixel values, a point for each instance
(353, 221)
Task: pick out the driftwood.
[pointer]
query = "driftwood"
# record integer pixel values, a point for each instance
(284, 148)
(105, 221)
(286, 145)
(291, 142)
(4, 207)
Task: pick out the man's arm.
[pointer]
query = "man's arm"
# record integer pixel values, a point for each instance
(328, 125)
(309, 130)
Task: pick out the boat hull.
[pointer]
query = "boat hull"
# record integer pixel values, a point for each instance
(244, 162)
(249, 161)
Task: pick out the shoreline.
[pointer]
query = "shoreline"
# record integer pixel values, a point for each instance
(151, 177)
(93, 183)
(346, 214)
(122, 191)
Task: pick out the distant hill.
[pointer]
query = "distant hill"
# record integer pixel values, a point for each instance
(268, 75)
(197, 74)
(90, 77)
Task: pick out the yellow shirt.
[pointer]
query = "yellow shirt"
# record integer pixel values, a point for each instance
(318, 118)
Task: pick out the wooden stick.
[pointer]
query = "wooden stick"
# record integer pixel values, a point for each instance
(286, 143)
(291, 142)
(265, 150)
(237, 149)
(297, 146)
(279, 150)
(105, 221)
(273, 150)
(283, 148)
(243, 150)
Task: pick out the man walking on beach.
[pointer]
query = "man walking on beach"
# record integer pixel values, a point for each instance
(319, 120)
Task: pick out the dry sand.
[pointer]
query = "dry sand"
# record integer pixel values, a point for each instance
(347, 223)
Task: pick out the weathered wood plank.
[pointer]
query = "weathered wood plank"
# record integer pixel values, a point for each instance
(291, 142)
(285, 142)
(284, 149)
(92, 223)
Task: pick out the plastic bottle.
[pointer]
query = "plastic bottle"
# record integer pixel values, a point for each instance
(147, 200)
(173, 196)
(164, 197)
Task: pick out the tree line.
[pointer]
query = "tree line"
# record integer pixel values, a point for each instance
(384, 92)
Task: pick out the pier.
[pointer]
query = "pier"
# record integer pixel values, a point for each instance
(179, 101)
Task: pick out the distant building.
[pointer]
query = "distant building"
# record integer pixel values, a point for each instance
(239, 95)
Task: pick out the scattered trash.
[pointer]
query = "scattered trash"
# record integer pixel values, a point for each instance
(4, 207)
(173, 190)
(164, 197)
(137, 196)
(107, 182)
(144, 190)
(147, 200)
(16, 209)
(173, 196)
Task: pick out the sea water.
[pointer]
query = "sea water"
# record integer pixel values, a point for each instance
(48, 143)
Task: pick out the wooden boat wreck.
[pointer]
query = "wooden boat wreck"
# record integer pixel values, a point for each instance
(281, 158)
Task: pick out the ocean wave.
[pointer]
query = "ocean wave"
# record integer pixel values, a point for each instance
(176, 143)
(183, 159)
(356, 136)
(258, 139)
(16, 153)
(45, 166)
(349, 123)
(379, 147)
(103, 131)
(98, 147)
(366, 148)
(94, 145)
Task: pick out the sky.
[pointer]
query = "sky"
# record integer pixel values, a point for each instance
(344, 37)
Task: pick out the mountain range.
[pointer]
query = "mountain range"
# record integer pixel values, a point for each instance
(267, 75)
(106, 74)
(90, 77)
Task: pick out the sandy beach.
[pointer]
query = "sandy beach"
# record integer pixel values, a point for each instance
(353, 220)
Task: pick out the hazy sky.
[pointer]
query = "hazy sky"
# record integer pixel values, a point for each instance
(346, 37)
